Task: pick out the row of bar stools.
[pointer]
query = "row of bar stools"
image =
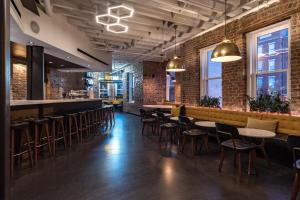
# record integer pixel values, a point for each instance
(58, 132)
(83, 124)
(73, 127)
(20, 139)
(41, 136)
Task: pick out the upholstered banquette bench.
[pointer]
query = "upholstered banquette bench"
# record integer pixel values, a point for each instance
(277, 147)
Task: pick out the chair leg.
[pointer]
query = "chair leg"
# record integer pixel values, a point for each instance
(266, 155)
(251, 165)
(206, 142)
(144, 124)
(48, 139)
(12, 153)
(36, 143)
(53, 137)
(183, 143)
(29, 146)
(222, 157)
(296, 186)
(239, 164)
(70, 131)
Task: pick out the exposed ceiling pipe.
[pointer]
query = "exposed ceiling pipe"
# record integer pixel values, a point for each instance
(48, 7)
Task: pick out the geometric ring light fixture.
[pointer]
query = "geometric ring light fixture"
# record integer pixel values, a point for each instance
(112, 19)
(121, 11)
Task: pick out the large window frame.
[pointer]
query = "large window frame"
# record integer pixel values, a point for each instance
(253, 54)
(204, 72)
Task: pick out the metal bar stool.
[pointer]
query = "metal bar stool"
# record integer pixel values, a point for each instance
(41, 136)
(58, 131)
(19, 131)
(91, 120)
(72, 127)
(83, 124)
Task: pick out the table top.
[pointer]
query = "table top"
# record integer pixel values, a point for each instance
(177, 118)
(165, 114)
(158, 106)
(207, 124)
(256, 133)
(48, 101)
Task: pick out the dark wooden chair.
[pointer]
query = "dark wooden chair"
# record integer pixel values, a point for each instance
(237, 145)
(147, 119)
(294, 145)
(167, 127)
(188, 131)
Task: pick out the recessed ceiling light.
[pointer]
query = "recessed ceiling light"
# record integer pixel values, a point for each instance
(68, 57)
(61, 65)
(30, 42)
(50, 62)
(89, 65)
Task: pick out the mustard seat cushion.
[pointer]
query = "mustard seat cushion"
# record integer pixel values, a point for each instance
(269, 125)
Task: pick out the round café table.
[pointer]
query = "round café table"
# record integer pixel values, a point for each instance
(258, 134)
(209, 125)
(177, 118)
(206, 124)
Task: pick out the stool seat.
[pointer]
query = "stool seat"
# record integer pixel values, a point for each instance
(56, 117)
(19, 125)
(39, 120)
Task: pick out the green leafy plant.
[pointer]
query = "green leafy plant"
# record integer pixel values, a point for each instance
(211, 102)
(273, 102)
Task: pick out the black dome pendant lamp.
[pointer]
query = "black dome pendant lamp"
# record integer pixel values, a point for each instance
(176, 63)
(227, 51)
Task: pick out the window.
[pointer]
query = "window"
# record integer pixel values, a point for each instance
(211, 75)
(170, 86)
(130, 88)
(268, 70)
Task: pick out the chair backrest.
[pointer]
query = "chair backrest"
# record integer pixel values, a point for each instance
(227, 130)
(184, 122)
(293, 141)
(182, 110)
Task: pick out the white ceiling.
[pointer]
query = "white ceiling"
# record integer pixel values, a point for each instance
(151, 29)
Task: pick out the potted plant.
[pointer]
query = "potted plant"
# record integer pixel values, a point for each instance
(269, 102)
(210, 102)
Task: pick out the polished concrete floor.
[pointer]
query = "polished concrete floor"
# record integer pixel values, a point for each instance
(124, 165)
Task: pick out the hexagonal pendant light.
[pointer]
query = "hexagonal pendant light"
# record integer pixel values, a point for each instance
(112, 19)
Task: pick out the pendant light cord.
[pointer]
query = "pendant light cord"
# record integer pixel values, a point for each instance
(175, 27)
(225, 28)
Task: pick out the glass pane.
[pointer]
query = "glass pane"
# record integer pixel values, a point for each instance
(214, 69)
(214, 88)
(171, 78)
(272, 83)
(272, 51)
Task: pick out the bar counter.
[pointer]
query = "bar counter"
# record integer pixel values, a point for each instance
(39, 108)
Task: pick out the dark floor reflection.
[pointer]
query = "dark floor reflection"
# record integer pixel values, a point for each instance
(125, 165)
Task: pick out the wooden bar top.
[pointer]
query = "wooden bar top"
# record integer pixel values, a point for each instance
(14, 103)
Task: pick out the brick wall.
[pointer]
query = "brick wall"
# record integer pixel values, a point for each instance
(137, 70)
(154, 82)
(234, 73)
(18, 87)
(59, 82)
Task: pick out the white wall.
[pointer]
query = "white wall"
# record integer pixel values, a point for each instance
(59, 38)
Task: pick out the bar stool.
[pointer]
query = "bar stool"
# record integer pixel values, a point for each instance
(91, 121)
(83, 124)
(58, 131)
(19, 131)
(73, 126)
(41, 136)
